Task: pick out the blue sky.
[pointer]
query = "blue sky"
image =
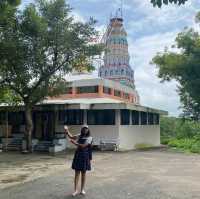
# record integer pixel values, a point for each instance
(149, 31)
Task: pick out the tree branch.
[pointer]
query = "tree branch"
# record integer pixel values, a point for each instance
(47, 75)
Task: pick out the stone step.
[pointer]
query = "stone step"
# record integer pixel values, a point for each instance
(43, 146)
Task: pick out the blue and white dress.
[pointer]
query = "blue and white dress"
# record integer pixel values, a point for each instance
(82, 156)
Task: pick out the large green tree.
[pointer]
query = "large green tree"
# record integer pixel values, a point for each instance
(183, 65)
(159, 3)
(8, 10)
(39, 48)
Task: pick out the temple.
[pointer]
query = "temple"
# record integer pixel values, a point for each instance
(116, 58)
(109, 104)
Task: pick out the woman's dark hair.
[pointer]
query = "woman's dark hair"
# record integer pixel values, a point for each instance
(83, 132)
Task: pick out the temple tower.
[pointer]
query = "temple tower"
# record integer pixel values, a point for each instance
(116, 58)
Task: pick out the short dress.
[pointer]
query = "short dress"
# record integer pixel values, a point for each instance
(82, 156)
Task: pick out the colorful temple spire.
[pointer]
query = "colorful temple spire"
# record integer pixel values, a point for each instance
(116, 58)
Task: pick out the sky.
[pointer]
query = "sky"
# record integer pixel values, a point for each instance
(149, 30)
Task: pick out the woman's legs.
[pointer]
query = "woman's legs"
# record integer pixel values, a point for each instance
(76, 179)
(83, 179)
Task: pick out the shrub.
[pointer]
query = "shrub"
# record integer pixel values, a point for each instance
(195, 147)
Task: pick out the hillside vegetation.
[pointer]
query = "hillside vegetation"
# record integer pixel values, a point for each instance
(181, 134)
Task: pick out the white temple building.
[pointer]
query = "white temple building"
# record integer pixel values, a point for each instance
(109, 104)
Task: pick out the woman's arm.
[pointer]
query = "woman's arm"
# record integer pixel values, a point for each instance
(77, 144)
(87, 143)
(69, 134)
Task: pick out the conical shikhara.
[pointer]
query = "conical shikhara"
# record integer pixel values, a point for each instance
(116, 57)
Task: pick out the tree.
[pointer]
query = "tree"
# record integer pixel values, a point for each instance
(39, 49)
(7, 11)
(184, 66)
(159, 3)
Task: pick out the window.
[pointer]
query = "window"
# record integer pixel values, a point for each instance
(156, 119)
(111, 72)
(125, 117)
(135, 117)
(87, 89)
(101, 117)
(106, 90)
(16, 118)
(150, 118)
(71, 117)
(122, 72)
(143, 118)
(117, 93)
(116, 72)
(2, 117)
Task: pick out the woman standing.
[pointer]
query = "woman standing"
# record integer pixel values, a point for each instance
(82, 157)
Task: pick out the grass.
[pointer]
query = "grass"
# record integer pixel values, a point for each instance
(143, 146)
(184, 144)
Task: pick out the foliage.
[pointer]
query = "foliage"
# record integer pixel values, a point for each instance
(40, 46)
(184, 67)
(8, 97)
(7, 11)
(189, 145)
(159, 3)
(181, 134)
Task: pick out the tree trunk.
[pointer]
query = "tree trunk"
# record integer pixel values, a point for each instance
(29, 128)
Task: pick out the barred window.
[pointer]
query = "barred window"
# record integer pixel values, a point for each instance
(106, 90)
(156, 119)
(135, 117)
(16, 118)
(125, 117)
(143, 118)
(101, 117)
(150, 118)
(87, 89)
(71, 117)
(2, 117)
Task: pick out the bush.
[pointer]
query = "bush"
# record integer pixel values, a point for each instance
(191, 145)
(195, 147)
(179, 133)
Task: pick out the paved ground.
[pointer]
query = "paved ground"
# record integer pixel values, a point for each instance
(129, 175)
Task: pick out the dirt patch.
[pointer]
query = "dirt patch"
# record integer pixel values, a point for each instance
(16, 168)
(12, 179)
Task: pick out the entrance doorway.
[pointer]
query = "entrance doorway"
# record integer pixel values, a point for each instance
(44, 125)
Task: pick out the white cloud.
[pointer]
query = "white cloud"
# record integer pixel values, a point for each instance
(152, 92)
(149, 31)
(155, 29)
(77, 17)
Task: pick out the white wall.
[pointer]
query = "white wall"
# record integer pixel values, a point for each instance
(98, 132)
(126, 135)
(130, 135)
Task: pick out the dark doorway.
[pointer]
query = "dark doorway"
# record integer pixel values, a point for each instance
(44, 125)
